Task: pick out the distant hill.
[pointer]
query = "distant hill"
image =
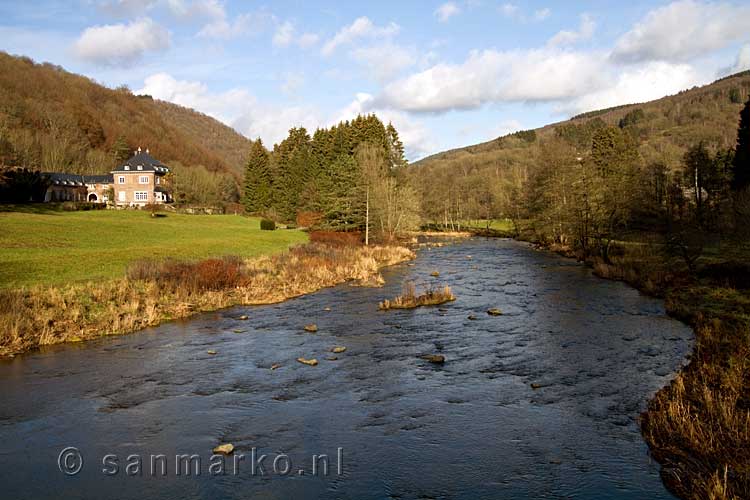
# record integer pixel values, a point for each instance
(665, 128)
(54, 120)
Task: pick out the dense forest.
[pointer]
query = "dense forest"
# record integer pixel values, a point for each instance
(55, 121)
(337, 179)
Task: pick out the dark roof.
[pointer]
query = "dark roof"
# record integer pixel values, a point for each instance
(61, 179)
(147, 163)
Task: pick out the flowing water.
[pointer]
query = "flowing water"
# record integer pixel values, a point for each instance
(472, 428)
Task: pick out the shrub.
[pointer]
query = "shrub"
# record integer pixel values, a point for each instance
(309, 219)
(410, 299)
(208, 274)
(267, 225)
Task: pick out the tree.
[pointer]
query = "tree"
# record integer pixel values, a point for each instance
(257, 187)
(396, 157)
(741, 161)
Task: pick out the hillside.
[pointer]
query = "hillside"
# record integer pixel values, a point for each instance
(665, 128)
(54, 120)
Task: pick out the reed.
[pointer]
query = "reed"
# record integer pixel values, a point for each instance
(410, 300)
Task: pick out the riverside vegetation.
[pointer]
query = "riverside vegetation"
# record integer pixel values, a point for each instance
(155, 291)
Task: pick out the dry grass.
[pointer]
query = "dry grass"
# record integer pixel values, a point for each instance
(410, 299)
(157, 291)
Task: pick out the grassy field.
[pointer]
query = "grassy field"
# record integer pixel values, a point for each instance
(46, 247)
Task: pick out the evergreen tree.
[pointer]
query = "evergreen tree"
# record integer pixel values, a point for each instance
(395, 148)
(121, 151)
(257, 190)
(741, 162)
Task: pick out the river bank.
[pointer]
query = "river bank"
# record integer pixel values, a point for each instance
(158, 291)
(698, 426)
(535, 403)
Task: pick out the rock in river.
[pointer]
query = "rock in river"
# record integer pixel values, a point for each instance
(309, 362)
(211, 352)
(243, 317)
(338, 349)
(434, 358)
(224, 449)
(312, 328)
(494, 312)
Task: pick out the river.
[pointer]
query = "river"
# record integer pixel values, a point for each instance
(391, 424)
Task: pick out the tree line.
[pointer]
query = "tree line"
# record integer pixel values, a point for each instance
(339, 179)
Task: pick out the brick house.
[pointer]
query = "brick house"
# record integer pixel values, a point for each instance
(137, 182)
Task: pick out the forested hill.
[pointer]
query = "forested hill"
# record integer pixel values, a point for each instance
(665, 129)
(53, 120)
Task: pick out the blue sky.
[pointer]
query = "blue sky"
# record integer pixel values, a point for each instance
(447, 74)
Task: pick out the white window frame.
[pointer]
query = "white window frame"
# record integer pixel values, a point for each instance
(140, 167)
(122, 196)
(121, 179)
(158, 180)
(140, 196)
(141, 179)
(127, 167)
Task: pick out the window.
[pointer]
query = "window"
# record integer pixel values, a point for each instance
(143, 179)
(141, 196)
(127, 167)
(158, 180)
(121, 179)
(122, 196)
(140, 167)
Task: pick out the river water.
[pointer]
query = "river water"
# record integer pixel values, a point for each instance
(391, 424)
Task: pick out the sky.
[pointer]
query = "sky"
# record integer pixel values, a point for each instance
(446, 74)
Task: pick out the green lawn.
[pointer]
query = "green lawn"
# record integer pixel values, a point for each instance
(38, 246)
(496, 224)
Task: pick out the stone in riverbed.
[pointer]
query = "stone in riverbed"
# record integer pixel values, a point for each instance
(434, 358)
(211, 352)
(332, 358)
(536, 386)
(275, 366)
(338, 349)
(327, 309)
(434, 274)
(243, 317)
(224, 449)
(312, 328)
(471, 317)
(308, 362)
(494, 312)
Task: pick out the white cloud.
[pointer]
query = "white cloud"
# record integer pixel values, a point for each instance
(237, 108)
(508, 9)
(286, 35)
(742, 63)
(683, 30)
(121, 44)
(585, 31)
(250, 23)
(446, 11)
(638, 84)
(385, 61)
(211, 10)
(241, 110)
(546, 74)
(361, 28)
(542, 14)
(413, 133)
(293, 82)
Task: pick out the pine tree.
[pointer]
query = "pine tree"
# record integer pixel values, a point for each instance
(120, 150)
(395, 148)
(741, 162)
(257, 179)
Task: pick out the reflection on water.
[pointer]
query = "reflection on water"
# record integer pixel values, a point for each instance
(472, 428)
